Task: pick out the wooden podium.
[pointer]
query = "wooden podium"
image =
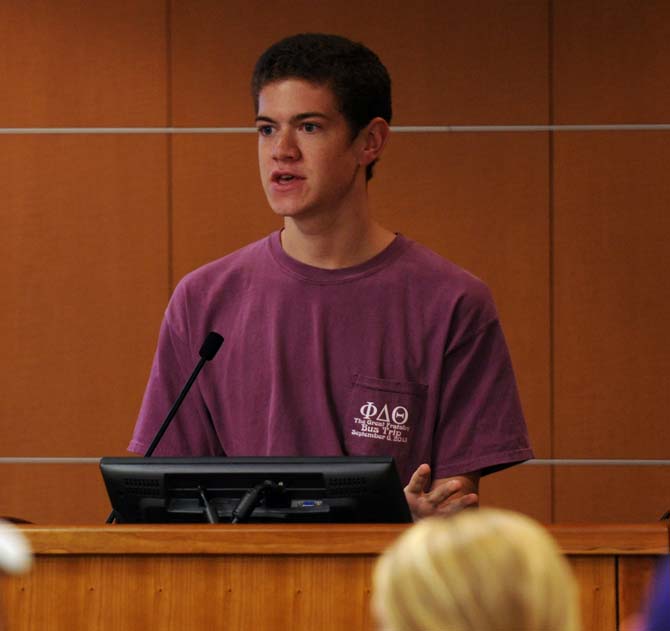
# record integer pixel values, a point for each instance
(269, 577)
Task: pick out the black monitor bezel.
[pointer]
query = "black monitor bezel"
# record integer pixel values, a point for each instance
(146, 490)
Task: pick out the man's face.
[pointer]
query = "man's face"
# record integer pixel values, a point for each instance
(309, 164)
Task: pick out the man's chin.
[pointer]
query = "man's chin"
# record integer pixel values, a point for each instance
(284, 210)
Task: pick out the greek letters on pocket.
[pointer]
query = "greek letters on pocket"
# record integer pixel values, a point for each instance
(383, 415)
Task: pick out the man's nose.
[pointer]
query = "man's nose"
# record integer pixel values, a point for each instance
(285, 146)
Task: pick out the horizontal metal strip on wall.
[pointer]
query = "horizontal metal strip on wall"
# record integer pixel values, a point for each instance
(429, 129)
(569, 462)
(598, 462)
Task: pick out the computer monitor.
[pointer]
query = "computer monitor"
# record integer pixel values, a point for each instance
(274, 489)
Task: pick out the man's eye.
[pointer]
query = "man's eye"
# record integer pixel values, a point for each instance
(310, 128)
(265, 130)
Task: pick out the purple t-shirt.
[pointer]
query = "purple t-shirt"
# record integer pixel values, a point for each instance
(402, 355)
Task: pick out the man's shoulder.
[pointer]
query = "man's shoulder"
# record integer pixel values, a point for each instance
(228, 269)
(227, 278)
(435, 271)
(242, 259)
(218, 286)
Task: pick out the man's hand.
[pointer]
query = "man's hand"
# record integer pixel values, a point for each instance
(445, 497)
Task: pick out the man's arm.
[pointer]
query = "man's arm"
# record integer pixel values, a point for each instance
(445, 497)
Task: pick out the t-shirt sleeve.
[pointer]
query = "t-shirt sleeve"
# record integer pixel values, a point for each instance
(481, 425)
(191, 432)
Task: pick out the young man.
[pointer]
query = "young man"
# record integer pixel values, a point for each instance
(341, 336)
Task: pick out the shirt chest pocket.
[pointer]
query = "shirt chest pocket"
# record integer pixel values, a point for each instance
(383, 416)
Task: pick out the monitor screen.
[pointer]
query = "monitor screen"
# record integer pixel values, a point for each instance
(259, 489)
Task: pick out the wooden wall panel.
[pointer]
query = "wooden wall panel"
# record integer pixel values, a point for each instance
(611, 494)
(451, 62)
(53, 493)
(84, 242)
(77, 63)
(611, 286)
(611, 61)
(611, 65)
(611, 308)
(525, 488)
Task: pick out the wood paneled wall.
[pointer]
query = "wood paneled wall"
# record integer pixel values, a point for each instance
(568, 228)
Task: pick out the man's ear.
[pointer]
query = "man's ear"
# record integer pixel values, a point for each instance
(373, 140)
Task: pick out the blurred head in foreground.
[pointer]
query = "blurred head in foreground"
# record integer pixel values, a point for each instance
(480, 570)
(15, 554)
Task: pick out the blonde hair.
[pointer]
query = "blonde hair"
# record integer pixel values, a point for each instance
(480, 570)
(15, 554)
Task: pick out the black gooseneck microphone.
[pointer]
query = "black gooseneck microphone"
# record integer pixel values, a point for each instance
(208, 350)
(210, 347)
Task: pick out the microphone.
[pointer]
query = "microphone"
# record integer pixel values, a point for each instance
(210, 347)
(208, 350)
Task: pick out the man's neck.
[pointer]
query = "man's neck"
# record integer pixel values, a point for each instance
(334, 246)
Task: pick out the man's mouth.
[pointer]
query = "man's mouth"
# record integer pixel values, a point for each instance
(284, 178)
